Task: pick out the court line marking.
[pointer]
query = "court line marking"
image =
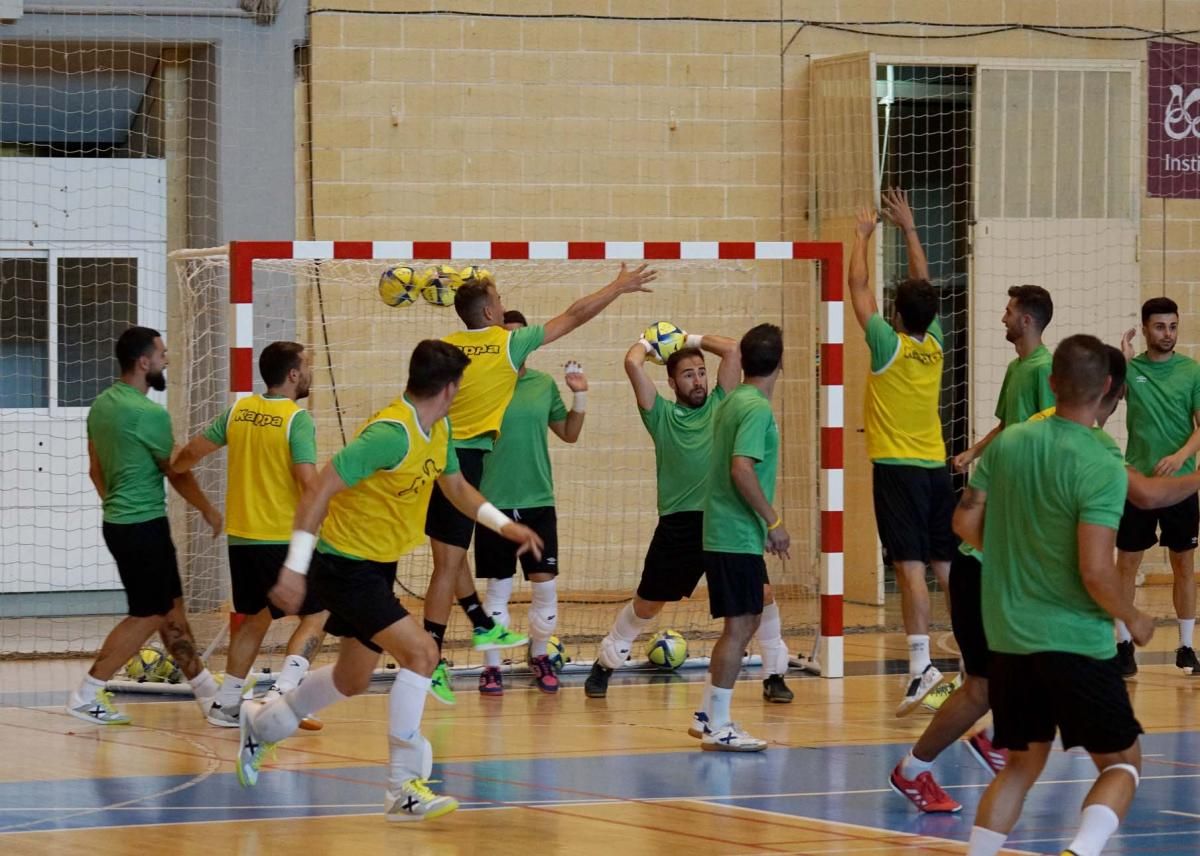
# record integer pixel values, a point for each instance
(1180, 813)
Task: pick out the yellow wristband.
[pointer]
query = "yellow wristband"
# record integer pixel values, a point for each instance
(778, 522)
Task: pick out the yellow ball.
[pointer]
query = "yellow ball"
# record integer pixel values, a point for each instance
(665, 339)
(440, 284)
(398, 286)
(475, 273)
(667, 650)
(151, 665)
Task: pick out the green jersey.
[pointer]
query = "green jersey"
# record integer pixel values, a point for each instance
(517, 473)
(1162, 399)
(744, 426)
(682, 438)
(1026, 387)
(1042, 480)
(132, 438)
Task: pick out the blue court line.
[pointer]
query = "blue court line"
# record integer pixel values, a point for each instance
(846, 784)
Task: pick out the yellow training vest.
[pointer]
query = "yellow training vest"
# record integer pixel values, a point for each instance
(261, 496)
(901, 417)
(383, 516)
(487, 384)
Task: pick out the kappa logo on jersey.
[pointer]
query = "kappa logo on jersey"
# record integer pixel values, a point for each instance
(478, 350)
(259, 420)
(430, 472)
(927, 359)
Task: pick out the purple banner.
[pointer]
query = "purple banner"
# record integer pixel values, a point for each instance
(1173, 126)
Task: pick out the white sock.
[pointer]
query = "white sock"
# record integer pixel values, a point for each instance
(1097, 826)
(918, 654)
(770, 641)
(719, 700)
(706, 697)
(1187, 628)
(316, 693)
(614, 649)
(1123, 634)
(984, 842)
(543, 615)
(495, 603)
(409, 754)
(912, 766)
(85, 693)
(294, 668)
(230, 693)
(204, 685)
(275, 720)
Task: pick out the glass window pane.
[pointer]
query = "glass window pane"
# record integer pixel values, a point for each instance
(97, 300)
(24, 333)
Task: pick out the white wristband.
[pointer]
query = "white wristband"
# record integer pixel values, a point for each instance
(693, 340)
(492, 517)
(300, 550)
(579, 405)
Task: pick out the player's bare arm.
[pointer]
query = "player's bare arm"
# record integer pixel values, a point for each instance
(968, 517)
(897, 212)
(635, 369)
(858, 278)
(185, 485)
(96, 472)
(729, 372)
(586, 308)
(964, 459)
(197, 449)
(288, 591)
(473, 504)
(1171, 464)
(568, 429)
(1098, 570)
(1150, 492)
(741, 469)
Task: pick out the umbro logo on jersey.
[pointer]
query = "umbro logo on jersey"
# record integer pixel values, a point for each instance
(551, 561)
(1140, 379)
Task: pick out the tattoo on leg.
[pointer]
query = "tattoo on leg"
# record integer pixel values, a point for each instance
(180, 645)
(311, 647)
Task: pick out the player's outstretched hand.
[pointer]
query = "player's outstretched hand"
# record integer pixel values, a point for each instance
(1127, 343)
(634, 280)
(867, 218)
(526, 539)
(896, 210)
(214, 519)
(961, 461)
(288, 591)
(576, 379)
(778, 542)
(1141, 629)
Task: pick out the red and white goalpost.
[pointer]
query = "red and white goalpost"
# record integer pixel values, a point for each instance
(323, 293)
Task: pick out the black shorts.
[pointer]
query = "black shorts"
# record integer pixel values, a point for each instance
(145, 557)
(675, 561)
(496, 556)
(444, 522)
(735, 583)
(913, 509)
(359, 594)
(1178, 523)
(966, 614)
(1085, 699)
(253, 570)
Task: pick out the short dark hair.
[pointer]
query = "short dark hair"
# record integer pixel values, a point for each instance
(1080, 367)
(514, 316)
(1117, 371)
(679, 356)
(917, 303)
(277, 359)
(469, 301)
(1158, 306)
(761, 349)
(134, 344)
(1034, 300)
(434, 366)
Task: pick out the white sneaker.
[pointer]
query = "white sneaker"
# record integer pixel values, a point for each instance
(271, 694)
(98, 711)
(730, 738)
(920, 686)
(699, 726)
(223, 717)
(251, 750)
(415, 801)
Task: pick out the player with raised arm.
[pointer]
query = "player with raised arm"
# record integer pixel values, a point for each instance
(478, 411)
(517, 477)
(369, 505)
(913, 496)
(740, 525)
(682, 435)
(1163, 418)
(1044, 505)
(272, 445)
(129, 448)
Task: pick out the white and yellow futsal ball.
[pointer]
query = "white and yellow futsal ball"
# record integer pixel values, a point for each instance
(475, 273)
(557, 653)
(665, 339)
(150, 665)
(667, 650)
(440, 284)
(398, 286)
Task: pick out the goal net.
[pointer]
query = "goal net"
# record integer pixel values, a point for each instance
(237, 300)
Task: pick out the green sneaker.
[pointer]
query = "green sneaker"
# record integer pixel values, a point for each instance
(439, 685)
(498, 637)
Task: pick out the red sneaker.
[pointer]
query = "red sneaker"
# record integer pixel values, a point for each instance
(923, 792)
(543, 674)
(490, 683)
(989, 757)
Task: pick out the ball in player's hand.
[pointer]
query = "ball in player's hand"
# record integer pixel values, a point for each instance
(664, 339)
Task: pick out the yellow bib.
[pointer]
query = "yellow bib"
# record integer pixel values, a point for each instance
(487, 384)
(383, 516)
(261, 497)
(901, 418)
